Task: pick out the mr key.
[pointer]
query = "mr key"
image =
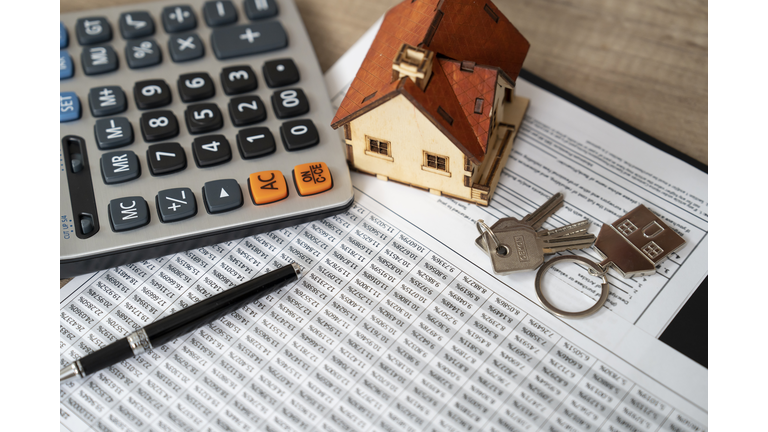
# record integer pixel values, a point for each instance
(518, 244)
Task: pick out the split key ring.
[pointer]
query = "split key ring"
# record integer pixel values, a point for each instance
(594, 269)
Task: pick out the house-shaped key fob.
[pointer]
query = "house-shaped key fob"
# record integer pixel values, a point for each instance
(636, 242)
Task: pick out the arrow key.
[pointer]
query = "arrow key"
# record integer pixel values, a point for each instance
(166, 158)
(222, 196)
(175, 204)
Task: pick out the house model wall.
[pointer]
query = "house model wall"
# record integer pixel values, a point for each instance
(433, 104)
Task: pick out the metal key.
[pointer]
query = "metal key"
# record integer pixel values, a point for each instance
(534, 219)
(523, 248)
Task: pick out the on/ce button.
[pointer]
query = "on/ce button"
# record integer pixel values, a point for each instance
(312, 178)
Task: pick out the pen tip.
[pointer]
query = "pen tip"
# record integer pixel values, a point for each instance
(69, 372)
(296, 268)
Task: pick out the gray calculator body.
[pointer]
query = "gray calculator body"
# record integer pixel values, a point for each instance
(102, 247)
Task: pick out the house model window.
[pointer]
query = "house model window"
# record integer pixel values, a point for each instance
(379, 146)
(435, 162)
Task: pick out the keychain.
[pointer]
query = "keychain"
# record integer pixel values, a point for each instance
(633, 245)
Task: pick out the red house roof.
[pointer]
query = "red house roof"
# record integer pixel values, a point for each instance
(457, 30)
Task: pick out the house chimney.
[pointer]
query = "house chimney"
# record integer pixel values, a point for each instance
(415, 63)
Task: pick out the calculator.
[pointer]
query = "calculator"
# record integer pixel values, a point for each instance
(185, 124)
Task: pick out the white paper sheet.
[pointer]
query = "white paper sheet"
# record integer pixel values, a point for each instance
(387, 330)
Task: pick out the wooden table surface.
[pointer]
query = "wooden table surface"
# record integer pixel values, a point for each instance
(642, 61)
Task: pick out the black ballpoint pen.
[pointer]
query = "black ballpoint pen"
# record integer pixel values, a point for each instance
(184, 321)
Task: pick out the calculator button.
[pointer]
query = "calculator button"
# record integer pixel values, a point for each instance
(241, 40)
(218, 13)
(119, 167)
(282, 72)
(158, 125)
(66, 68)
(289, 103)
(128, 213)
(204, 117)
(151, 94)
(259, 9)
(179, 18)
(255, 142)
(166, 158)
(222, 196)
(312, 178)
(98, 60)
(175, 204)
(134, 25)
(63, 36)
(238, 79)
(142, 53)
(245, 110)
(107, 100)
(299, 134)
(113, 133)
(196, 86)
(93, 30)
(185, 47)
(267, 187)
(211, 150)
(69, 106)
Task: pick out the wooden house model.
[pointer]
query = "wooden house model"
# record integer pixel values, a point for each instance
(433, 104)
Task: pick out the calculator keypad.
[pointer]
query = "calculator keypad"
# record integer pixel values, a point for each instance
(129, 169)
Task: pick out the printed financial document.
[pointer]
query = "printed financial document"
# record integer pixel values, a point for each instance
(386, 330)
(398, 324)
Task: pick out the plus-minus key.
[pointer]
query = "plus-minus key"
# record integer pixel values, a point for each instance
(241, 40)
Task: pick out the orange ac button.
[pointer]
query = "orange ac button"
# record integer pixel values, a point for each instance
(312, 178)
(267, 187)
